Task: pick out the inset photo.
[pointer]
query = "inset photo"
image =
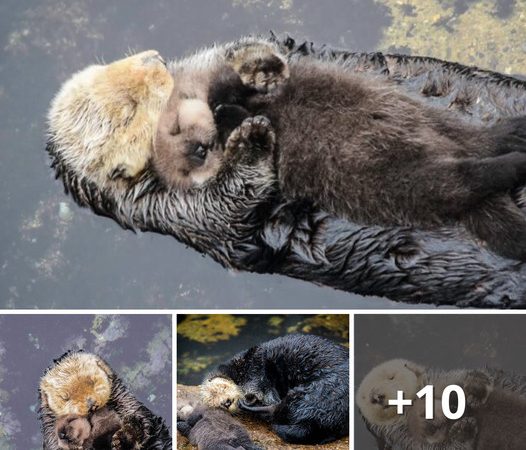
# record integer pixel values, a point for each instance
(440, 382)
(263, 381)
(71, 382)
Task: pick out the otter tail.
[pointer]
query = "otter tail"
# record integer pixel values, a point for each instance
(501, 224)
(509, 135)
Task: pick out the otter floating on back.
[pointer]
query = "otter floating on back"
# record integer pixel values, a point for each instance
(83, 385)
(243, 223)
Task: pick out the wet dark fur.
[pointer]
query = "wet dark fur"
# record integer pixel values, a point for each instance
(244, 225)
(215, 429)
(374, 155)
(299, 383)
(155, 434)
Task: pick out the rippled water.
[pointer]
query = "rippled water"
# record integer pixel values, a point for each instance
(53, 254)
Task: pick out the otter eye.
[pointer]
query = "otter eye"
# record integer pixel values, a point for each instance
(197, 153)
(200, 151)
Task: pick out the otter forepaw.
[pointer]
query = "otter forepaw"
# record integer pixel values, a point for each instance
(124, 171)
(477, 387)
(259, 67)
(253, 132)
(129, 437)
(463, 430)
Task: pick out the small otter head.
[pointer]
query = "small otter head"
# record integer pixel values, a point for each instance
(72, 431)
(381, 384)
(102, 121)
(80, 383)
(187, 152)
(221, 392)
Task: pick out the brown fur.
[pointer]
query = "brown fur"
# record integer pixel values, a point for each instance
(78, 385)
(364, 150)
(77, 432)
(214, 429)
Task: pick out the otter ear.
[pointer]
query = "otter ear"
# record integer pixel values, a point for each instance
(415, 368)
(105, 368)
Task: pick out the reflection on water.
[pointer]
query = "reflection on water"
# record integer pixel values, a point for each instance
(52, 254)
(137, 347)
(203, 341)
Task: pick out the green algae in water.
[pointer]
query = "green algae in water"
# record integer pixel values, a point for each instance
(205, 328)
(336, 324)
(187, 363)
(477, 36)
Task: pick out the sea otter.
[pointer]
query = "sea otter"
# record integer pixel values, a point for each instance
(494, 416)
(214, 429)
(243, 223)
(298, 383)
(357, 147)
(83, 384)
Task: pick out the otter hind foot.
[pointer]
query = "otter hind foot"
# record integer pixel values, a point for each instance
(260, 67)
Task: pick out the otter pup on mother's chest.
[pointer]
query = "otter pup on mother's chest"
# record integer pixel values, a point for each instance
(363, 149)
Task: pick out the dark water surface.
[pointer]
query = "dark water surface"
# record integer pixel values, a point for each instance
(53, 254)
(137, 347)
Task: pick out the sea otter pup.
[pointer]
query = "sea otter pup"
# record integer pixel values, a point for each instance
(98, 431)
(83, 385)
(214, 429)
(299, 383)
(359, 148)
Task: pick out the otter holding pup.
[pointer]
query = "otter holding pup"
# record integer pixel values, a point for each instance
(85, 406)
(297, 383)
(357, 147)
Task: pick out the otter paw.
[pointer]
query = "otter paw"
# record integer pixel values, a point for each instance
(129, 437)
(463, 430)
(259, 67)
(477, 387)
(125, 171)
(253, 132)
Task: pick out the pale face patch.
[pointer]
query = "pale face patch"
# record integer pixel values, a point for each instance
(222, 393)
(78, 384)
(382, 384)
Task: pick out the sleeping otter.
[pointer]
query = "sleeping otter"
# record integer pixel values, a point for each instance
(242, 222)
(82, 387)
(494, 417)
(214, 429)
(298, 383)
(357, 147)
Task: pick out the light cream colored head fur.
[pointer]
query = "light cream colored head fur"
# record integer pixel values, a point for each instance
(382, 383)
(219, 392)
(103, 119)
(78, 384)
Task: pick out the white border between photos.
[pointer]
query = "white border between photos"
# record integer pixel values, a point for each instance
(174, 312)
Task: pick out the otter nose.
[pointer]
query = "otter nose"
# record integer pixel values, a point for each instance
(90, 403)
(378, 399)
